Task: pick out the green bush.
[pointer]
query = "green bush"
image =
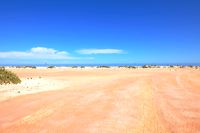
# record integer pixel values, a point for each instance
(8, 77)
(51, 67)
(127, 67)
(131, 67)
(145, 66)
(33, 67)
(103, 66)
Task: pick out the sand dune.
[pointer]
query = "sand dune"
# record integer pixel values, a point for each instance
(116, 100)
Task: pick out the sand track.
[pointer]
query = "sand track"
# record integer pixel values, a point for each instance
(108, 101)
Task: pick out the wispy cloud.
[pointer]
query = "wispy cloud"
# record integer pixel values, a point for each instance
(100, 51)
(36, 53)
(43, 53)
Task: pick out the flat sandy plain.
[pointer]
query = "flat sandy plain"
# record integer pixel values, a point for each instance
(102, 100)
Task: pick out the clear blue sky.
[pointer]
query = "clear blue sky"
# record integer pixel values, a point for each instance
(100, 31)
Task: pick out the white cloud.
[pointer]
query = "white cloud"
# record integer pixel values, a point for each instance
(36, 53)
(100, 51)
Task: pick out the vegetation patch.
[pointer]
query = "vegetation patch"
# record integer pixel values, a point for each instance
(33, 67)
(128, 67)
(145, 66)
(51, 67)
(103, 66)
(8, 77)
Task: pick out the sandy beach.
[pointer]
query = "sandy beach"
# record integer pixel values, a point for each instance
(102, 100)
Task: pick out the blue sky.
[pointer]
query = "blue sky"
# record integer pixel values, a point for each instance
(99, 31)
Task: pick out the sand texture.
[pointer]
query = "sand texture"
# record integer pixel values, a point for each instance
(96, 100)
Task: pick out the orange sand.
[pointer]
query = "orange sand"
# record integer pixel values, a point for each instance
(115, 100)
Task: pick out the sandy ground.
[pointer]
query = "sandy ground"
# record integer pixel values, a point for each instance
(30, 86)
(91, 100)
